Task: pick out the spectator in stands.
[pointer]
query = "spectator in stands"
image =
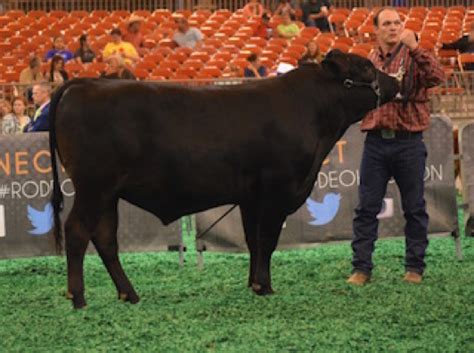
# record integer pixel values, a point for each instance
(32, 73)
(120, 47)
(186, 36)
(287, 29)
(465, 44)
(133, 34)
(312, 55)
(15, 122)
(5, 108)
(57, 73)
(42, 98)
(59, 48)
(315, 14)
(253, 9)
(84, 54)
(394, 147)
(254, 68)
(285, 8)
(116, 69)
(264, 30)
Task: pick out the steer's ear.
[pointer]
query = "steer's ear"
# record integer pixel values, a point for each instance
(334, 62)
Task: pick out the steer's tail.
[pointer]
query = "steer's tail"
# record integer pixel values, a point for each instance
(57, 197)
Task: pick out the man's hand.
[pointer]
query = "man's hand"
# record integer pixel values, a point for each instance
(409, 39)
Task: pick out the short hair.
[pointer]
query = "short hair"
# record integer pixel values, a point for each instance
(377, 14)
(34, 62)
(252, 57)
(45, 85)
(116, 31)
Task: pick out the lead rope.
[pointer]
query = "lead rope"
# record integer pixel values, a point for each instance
(201, 234)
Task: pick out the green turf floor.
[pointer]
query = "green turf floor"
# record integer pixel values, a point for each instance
(187, 310)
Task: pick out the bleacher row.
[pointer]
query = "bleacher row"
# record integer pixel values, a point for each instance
(229, 39)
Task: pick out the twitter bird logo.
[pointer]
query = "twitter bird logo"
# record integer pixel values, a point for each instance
(42, 221)
(323, 212)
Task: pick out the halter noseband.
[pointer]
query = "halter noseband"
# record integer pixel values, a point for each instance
(374, 86)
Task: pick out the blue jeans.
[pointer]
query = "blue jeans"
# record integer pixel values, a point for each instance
(404, 160)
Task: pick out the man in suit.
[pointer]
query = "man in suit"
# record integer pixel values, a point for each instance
(42, 98)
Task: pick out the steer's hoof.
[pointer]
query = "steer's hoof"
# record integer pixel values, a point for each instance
(78, 301)
(262, 290)
(132, 298)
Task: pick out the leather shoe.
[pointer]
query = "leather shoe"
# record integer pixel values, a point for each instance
(413, 277)
(358, 278)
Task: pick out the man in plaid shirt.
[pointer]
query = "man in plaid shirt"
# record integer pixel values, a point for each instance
(394, 147)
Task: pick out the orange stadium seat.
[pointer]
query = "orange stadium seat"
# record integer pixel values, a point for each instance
(200, 55)
(289, 60)
(36, 14)
(170, 64)
(193, 63)
(301, 40)
(78, 14)
(141, 74)
(167, 42)
(220, 64)
(162, 72)
(88, 73)
(209, 49)
(147, 64)
(185, 73)
(341, 46)
(268, 54)
(225, 56)
(359, 51)
(142, 13)
(183, 50)
(99, 13)
(165, 51)
(178, 56)
(154, 57)
(15, 14)
(58, 13)
(210, 72)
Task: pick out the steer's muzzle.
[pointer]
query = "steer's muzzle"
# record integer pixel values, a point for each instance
(389, 87)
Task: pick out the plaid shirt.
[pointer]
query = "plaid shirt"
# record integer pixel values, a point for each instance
(412, 115)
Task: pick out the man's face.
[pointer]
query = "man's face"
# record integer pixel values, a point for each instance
(59, 43)
(182, 25)
(40, 95)
(389, 27)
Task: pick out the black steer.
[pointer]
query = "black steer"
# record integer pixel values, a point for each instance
(174, 150)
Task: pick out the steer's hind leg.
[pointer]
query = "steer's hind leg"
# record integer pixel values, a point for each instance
(105, 241)
(77, 234)
(249, 215)
(270, 221)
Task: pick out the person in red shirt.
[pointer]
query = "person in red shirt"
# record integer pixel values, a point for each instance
(394, 147)
(264, 30)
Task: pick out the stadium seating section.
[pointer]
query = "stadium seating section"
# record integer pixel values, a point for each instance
(229, 39)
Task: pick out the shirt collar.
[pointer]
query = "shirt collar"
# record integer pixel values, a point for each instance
(388, 54)
(44, 105)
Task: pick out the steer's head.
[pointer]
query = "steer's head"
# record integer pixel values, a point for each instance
(367, 86)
